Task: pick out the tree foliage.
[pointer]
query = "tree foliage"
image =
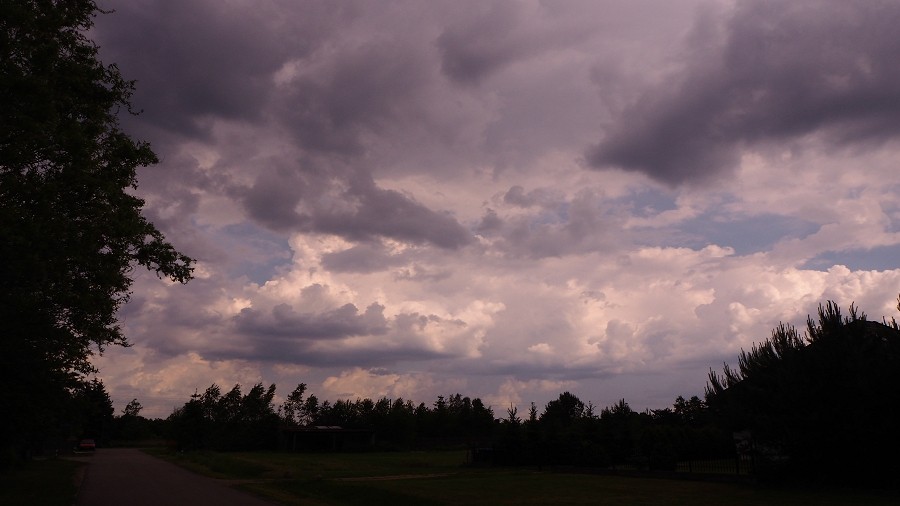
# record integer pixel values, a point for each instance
(72, 227)
(236, 421)
(822, 406)
(569, 432)
(233, 421)
(133, 408)
(89, 412)
(131, 426)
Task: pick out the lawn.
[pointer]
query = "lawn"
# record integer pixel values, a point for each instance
(439, 478)
(315, 466)
(41, 482)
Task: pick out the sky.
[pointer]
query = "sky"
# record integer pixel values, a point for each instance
(503, 199)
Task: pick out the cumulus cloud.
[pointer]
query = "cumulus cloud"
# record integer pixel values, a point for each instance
(359, 383)
(510, 394)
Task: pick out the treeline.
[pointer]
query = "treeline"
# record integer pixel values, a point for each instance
(251, 421)
(823, 406)
(570, 432)
(566, 432)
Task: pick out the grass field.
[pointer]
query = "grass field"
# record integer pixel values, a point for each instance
(439, 478)
(40, 482)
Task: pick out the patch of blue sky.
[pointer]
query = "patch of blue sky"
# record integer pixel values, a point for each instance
(554, 217)
(259, 273)
(882, 258)
(255, 252)
(745, 235)
(648, 202)
(892, 210)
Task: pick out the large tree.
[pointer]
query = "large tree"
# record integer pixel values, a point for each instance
(820, 406)
(72, 228)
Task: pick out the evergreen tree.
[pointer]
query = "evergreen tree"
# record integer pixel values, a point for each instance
(821, 406)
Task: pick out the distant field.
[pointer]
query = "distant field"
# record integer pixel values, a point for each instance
(439, 478)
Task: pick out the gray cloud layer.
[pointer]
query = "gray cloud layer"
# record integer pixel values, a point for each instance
(350, 205)
(278, 68)
(284, 321)
(775, 71)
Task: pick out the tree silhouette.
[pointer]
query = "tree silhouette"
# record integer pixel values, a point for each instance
(234, 421)
(72, 229)
(292, 407)
(133, 408)
(821, 406)
(93, 409)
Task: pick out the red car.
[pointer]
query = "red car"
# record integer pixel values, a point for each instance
(86, 445)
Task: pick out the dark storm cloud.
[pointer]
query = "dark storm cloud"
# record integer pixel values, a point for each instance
(311, 355)
(201, 59)
(321, 352)
(389, 213)
(284, 321)
(321, 339)
(361, 258)
(332, 104)
(485, 37)
(358, 210)
(779, 71)
(490, 223)
(516, 196)
(472, 50)
(273, 200)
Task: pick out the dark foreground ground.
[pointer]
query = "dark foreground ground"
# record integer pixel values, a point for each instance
(132, 477)
(119, 476)
(440, 478)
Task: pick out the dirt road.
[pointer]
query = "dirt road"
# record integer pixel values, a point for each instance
(116, 477)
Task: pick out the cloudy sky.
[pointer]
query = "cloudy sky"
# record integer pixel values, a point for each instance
(502, 199)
